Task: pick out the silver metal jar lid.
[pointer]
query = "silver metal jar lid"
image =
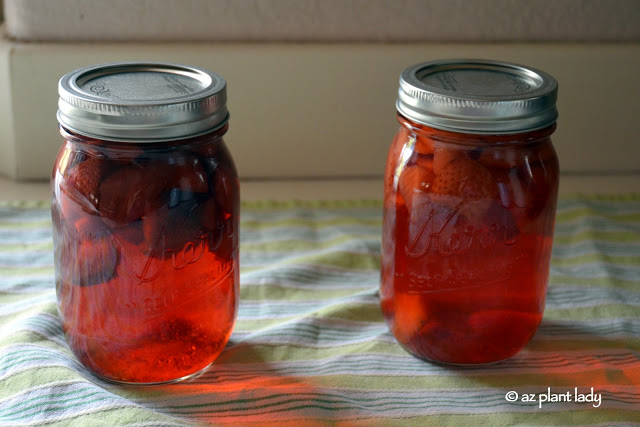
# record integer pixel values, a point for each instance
(478, 96)
(142, 101)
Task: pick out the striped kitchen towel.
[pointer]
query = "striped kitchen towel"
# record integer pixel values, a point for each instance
(310, 346)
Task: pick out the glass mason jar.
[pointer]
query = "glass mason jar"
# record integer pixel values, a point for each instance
(470, 195)
(145, 207)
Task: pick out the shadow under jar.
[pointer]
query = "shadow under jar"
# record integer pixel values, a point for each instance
(470, 195)
(145, 209)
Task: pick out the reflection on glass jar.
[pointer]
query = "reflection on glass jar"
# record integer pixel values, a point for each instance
(469, 207)
(145, 229)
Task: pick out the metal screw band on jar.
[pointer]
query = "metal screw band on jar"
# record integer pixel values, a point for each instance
(478, 96)
(142, 101)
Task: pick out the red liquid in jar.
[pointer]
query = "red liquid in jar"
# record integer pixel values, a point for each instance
(146, 252)
(467, 236)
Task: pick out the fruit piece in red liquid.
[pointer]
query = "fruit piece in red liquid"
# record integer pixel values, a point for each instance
(435, 341)
(97, 259)
(510, 328)
(172, 228)
(178, 222)
(189, 175)
(443, 156)
(425, 162)
(470, 183)
(500, 158)
(414, 179)
(408, 316)
(132, 191)
(83, 180)
(465, 178)
(495, 324)
(423, 145)
(89, 254)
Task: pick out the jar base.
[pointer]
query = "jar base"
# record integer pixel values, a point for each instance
(460, 365)
(457, 365)
(155, 383)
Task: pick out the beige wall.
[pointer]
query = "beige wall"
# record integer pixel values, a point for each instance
(324, 20)
(327, 109)
(318, 110)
